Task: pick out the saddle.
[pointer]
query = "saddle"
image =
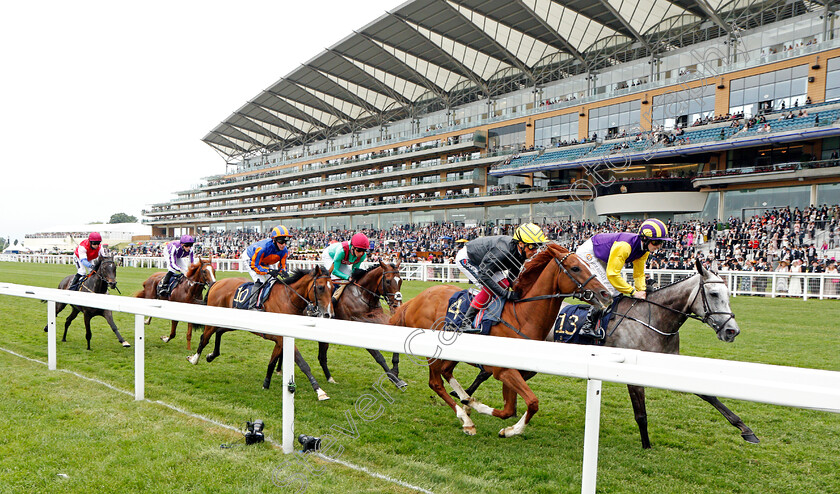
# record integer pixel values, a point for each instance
(174, 281)
(486, 318)
(248, 294)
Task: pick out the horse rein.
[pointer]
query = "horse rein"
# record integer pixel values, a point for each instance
(581, 293)
(704, 318)
(384, 295)
(107, 282)
(308, 309)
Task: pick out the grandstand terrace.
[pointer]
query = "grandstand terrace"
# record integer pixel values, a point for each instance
(495, 112)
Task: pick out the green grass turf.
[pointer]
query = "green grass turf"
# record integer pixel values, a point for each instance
(53, 422)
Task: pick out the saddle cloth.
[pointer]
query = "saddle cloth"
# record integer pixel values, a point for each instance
(486, 318)
(244, 298)
(572, 317)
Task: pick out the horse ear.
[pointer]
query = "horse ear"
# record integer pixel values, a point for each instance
(700, 269)
(382, 263)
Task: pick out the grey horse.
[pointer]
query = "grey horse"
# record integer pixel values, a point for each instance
(653, 325)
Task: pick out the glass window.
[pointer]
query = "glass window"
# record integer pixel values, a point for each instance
(736, 200)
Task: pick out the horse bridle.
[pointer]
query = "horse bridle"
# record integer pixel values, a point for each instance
(581, 293)
(706, 318)
(384, 295)
(108, 283)
(311, 309)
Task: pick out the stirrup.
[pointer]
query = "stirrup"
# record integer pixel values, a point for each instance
(592, 331)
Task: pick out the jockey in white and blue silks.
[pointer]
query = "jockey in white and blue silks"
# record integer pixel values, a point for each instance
(84, 255)
(179, 256)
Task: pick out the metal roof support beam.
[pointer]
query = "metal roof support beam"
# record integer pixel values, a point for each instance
(709, 11)
(431, 86)
(358, 101)
(331, 109)
(303, 115)
(509, 56)
(265, 131)
(469, 74)
(386, 90)
(627, 25)
(277, 121)
(571, 50)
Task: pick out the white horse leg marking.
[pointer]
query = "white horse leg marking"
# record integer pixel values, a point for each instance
(466, 422)
(515, 429)
(194, 359)
(456, 386)
(322, 395)
(480, 407)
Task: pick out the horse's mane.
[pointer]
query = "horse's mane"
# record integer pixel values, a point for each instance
(654, 290)
(360, 273)
(296, 276)
(534, 266)
(193, 268)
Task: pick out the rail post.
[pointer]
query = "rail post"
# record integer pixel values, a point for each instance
(51, 351)
(288, 395)
(592, 429)
(139, 358)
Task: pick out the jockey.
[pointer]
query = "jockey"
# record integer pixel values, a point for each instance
(179, 256)
(342, 258)
(84, 255)
(261, 255)
(607, 253)
(482, 261)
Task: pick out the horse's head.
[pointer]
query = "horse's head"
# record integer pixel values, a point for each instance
(320, 292)
(206, 272)
(711, 303)
(390, 284)
(575, 277)
(106, 269)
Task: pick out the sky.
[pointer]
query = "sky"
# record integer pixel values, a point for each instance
(103, 104)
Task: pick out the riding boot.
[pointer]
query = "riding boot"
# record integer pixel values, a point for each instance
(339, 291)
(254, 303)
(467, 322)
(74, 285)
(163, 286)
(590, 327)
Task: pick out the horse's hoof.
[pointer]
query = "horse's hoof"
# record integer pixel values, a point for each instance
(193, 359)
(750, 437)
(470, 430)
(322, 395)
(332, 381)
(165, 339)
(126, 344)
(211, 357)
(502, 432)
(266, 385)
(400, 384)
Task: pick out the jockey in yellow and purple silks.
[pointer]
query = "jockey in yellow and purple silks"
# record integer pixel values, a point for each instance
(607, 253)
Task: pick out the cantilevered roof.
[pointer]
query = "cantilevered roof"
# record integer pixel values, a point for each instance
(432, 54)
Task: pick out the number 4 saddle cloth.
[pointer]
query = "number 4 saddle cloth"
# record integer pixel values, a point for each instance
(486, 318)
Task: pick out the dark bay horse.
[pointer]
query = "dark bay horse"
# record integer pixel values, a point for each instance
(362, 301)
(102, 277)
(200, 275)
(653, 325)
(547, 278)
(303, 293)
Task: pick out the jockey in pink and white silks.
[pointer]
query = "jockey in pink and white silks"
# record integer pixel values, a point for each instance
(84, 255)
(607, 253)
(179, 256)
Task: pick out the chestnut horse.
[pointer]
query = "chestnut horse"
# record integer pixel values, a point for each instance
(303, 293)
(102, 277)
(547, 278)
(361, 301)
(200, 274)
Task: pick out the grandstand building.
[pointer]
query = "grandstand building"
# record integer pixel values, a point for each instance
(504, 111)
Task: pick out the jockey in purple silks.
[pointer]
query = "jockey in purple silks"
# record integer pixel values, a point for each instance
(179, 256)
